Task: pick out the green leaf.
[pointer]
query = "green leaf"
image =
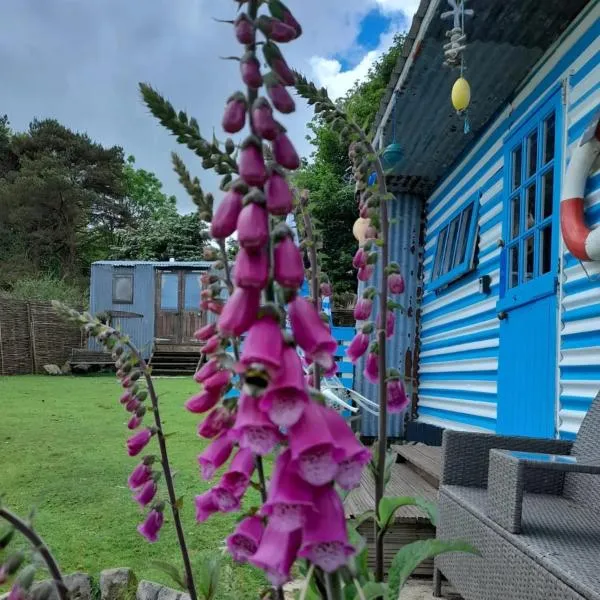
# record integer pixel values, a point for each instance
(389, 505)
(372, 590)
(172, 571)
(207, 577)
(379, 242)
(179, 503)
(368, 514)
(357, 563)
(412, 555)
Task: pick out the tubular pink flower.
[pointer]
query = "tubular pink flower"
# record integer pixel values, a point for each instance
(234, 116)
(390, 323)
(225, 499)
(365, 273)
(250, 71)
(200, 403)
(253, 227)
(137, 442)
(358, 346)
(237, 477)
(360, 259)
(283, 71)
(276, 29)
(265, 125)
(326, 289)
(151, 526)
(134, 422)
(240, 312)
(285, 398)
(396, 283)
(251, 270)
(244, 29)
(146, 493)
(280, 97)
(226, 215)
(288, 265)
(372, 367)
(217, 382)
(16, 592)
(244, 541)
(276, 554)
(213, 344)
(125, 398)
(263, 345)
(132, 405)
(205, 506)
(206, 332)
(278, 195)
(290, 499)
(325, 539)
(252, 428)
(251, 163)
(216, 422)
(362, 309)
(208, 370)
(288, 18)
(308, 379)
(214, 456)
(310, 333)
(355, 455)
(314, 451)
(397, 398)
(139, 476)
(284, 152)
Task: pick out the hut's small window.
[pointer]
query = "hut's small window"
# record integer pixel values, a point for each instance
(455, 245)
(122, 287)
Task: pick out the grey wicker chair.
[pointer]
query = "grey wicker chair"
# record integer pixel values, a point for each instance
(537, 530)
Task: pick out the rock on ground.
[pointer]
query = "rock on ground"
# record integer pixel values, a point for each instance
(118, 584)
(148, 590)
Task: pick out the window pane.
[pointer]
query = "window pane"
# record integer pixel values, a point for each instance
(530, 206)
(547, 193)
(516, 168)
(439, 253)
(515, 219)
(463, 235)
(545, 251)
(193, 287)
(123, 288)
(548, 139)
(513, 266)
(169, 291)
(451, 244)
(528, 260)
(532, 154)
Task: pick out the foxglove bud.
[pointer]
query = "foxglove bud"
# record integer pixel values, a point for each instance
(278, 194)
(396, 283)
(280, 11)
(285, 153)
(253, 229)
(250, 70)
(234, 117)
(251, 270)
(325, 289)
(275, 29)
(262, 119)
(275, 60)
(244, 30)
(279, 96)
(225, 218)
(251, 163)
(288, 268)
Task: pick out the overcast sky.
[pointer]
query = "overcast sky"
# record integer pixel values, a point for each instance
(79, 61)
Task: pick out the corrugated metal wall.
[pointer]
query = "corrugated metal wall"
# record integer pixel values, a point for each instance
(406, 210)
(459, 330)
(140, 329)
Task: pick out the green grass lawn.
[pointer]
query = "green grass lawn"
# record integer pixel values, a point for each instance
(62, 452)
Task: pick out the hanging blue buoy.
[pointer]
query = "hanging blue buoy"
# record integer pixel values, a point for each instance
(372, 179)
(391, 156)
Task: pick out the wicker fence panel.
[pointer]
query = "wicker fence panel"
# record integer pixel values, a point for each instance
(33, 335)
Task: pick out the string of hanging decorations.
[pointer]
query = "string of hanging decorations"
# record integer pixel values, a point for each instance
(454, 53)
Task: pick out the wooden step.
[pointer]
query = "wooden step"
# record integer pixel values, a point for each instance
(424, 460)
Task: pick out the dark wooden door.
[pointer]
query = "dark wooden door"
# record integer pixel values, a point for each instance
(178, 313)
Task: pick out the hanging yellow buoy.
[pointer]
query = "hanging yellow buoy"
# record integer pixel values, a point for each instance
(461, 94)
(359, 230)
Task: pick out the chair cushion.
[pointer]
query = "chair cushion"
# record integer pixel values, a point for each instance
(556, 532)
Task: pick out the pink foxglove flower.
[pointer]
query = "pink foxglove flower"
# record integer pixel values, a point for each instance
(325, 539)
(326, 289)
(146, 493)
(396, 283)
(284, 152)
(225, 499)
(275, 29)
(251, 162)
(132, 405)
(390, 323)
(137, 442)
(252, 429)
(288, 265)
(313, 448)
(250, 71)
(397, 398)
(358, 346)
(355, 457)
(134, 422)
(151, 526)
(139, 476)
(240, 312)
(213, 344)
(125, 398)
(310, 333)
(218, 421)
(234, 116)
(278, 195)
(290, 499)
(244, 541)
(263, 345)
(244, 30)
(238, 474)
(217, 382)
(276, 554)
(17, 592)
(251, 270)
(362, 309)
(203, 402)
(264, 124)
(365, 273)
(205, 506)
(226, 215)
(360, 259)
(280, 97)
(283, 71)
(372, 367)
(208, 370)
(214, 456)
(286, 397)
(206, 332)
(253, 227)
(284, 14)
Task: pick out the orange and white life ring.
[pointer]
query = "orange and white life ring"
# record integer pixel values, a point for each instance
(582, 242)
